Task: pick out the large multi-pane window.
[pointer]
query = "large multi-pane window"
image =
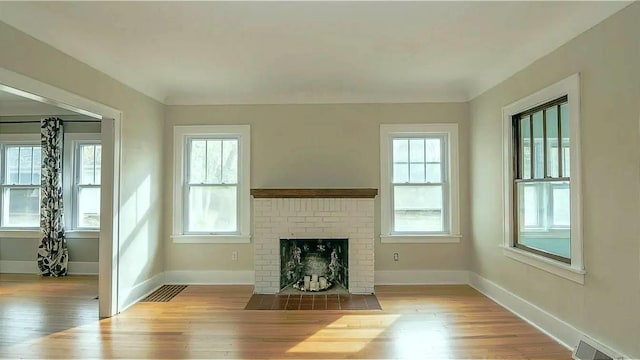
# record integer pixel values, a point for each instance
(20, 185)
(86, 192)
(541, 172)
(211, 184)
(419, 183)
(542, 180)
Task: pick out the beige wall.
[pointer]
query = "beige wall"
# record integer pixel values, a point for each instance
(607, 306)
(141, 255)
(318, 146)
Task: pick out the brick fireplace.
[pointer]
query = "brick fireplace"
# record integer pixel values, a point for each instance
(313, 214)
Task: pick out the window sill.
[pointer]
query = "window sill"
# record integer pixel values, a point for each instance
(421, 239)
(548, 265)
(37, 234)
(82, 234)
(211, 239)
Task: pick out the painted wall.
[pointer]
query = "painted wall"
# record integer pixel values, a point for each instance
(607, 306)
(141, 255)
(318, 146)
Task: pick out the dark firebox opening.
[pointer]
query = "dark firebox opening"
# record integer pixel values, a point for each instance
(303, 261)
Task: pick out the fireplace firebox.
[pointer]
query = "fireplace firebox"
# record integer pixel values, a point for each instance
(313, 265)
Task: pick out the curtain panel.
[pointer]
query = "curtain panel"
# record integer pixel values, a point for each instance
(53, 255)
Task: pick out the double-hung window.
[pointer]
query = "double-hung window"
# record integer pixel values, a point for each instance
(87, 185)
(20, 163)
(82, 173)
(419, 183)
(542, 185)
(211, 184)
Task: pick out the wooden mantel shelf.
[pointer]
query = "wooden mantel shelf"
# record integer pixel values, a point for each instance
(361, 193)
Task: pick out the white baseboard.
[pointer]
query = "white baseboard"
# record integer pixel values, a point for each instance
(421, 277)
(210, 277)
(31, 267)
(139, 291)
(562, 332)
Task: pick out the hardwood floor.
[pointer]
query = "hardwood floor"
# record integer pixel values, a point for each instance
(424, 322)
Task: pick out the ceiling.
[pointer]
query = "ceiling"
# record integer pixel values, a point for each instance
(307, 52)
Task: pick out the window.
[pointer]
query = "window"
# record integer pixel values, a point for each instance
(211, 184)
(20, 183)
(87, 186)
(419, 183)
(542, 184)
(82, 173)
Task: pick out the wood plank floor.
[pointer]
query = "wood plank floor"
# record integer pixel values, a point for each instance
(57, 318)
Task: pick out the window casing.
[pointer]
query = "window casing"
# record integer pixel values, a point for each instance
(211, 184)
(542, 180)
(20, 164)
(419, 183)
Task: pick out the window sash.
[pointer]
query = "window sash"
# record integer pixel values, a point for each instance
(444, 215)
(187, 207)
(4, 204)
(76, 207)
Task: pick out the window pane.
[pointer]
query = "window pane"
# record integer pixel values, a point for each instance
(98, 161)
(21, 207)
(529, 205)
(525, 147)
(230, 162)
(26, 165)
(433, 150)
(538, 156)
(564, 116)
(537, 211)
(212, 209)
(88, 215)
(12, 161)
(416, 173)
(400, 160)
(214, 162)
(418, 208)
(416, 150)
(553, 150)
(197, 165)
(561, 204)
(37, 165)
(434, 173)
(400, 150)
(88, 164)
(400, 173)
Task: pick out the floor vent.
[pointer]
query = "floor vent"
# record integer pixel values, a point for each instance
(589, 349)
(164, 294)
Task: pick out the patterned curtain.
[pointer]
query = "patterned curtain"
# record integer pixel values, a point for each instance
(53, 256)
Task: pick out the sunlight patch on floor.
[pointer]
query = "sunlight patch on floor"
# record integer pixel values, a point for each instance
(345, 335)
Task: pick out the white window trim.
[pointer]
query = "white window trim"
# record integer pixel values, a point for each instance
(68, 180)
(26, 232)
(576, 271)
(387, 131)
(180, 134)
